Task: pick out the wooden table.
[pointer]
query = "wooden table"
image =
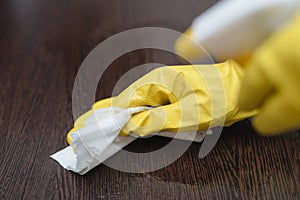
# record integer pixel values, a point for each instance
(43, 43)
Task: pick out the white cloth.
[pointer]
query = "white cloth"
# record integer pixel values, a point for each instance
(99, 139)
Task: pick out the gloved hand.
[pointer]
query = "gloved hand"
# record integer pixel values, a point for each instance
(185, 98)
(272, 81)
(235, 29)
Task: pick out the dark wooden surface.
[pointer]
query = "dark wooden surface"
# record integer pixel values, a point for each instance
(42, 44)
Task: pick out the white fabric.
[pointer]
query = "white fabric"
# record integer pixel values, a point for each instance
(232, 28)
(99, 139)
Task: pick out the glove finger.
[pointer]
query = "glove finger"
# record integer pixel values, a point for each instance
(104, 103)
(176, 117)
(276, 117)
(154, 120)
(255, 88)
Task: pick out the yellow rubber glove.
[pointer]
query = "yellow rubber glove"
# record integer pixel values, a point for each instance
(182, 99)
(272, 81)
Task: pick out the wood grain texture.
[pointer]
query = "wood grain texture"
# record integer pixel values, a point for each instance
(42, 44)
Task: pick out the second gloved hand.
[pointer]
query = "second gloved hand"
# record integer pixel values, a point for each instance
(185, 98)
(272, 81)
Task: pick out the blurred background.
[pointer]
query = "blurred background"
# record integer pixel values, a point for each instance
(42, 45)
